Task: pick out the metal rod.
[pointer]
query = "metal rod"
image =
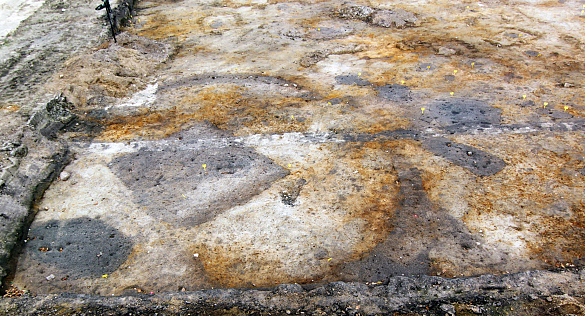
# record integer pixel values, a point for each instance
(106, 5)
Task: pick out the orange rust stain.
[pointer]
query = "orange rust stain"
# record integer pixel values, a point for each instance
(161, 26)
(381, 120)
(9, 107)
(534, 180)
(231, 109)
(560, 239)
(376, 202)
(148, 125)
(224, 268)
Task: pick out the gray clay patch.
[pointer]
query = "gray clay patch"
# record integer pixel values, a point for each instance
(461, 112)
(395, 92)
(351, 79)
(190, 187)
(80, 247)
(470, 158)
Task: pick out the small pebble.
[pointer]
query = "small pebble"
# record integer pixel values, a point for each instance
(50, 277)
(64, 176)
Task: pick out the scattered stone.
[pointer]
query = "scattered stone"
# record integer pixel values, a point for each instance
(64, 176)
(317, 56)
(50, 277)
(290, 195)
(358, 12)
(532, 53)
(54, 117)
(397, 18)
(448, 308)
(313, 58)
(446, 51)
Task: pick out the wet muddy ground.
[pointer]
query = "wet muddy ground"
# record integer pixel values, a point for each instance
(242, 144)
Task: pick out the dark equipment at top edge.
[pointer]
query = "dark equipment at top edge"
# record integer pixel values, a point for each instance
(106, 5)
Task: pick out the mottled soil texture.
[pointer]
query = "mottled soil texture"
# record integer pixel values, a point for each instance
(224, 144)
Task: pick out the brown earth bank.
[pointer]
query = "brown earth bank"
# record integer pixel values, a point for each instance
(527, 293)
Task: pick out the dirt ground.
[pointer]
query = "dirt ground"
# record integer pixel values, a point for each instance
(241, 144)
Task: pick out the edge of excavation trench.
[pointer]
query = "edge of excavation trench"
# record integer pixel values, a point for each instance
(19, 190)
(556, 292)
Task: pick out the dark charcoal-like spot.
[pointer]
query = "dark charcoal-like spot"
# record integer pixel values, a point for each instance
(532, 53)
(290, 195)
(461, 112)
(81, 247)
(471, 158)
(394, 92)
(83, 129)
(351, 79)
(173, 186)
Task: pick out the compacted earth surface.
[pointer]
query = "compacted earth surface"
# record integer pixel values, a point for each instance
(293, 157)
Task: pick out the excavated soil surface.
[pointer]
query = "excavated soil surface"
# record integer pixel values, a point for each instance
(242, 144)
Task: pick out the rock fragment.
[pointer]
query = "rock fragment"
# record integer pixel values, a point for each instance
(64, 176)
(397, 18)
(319, 55)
